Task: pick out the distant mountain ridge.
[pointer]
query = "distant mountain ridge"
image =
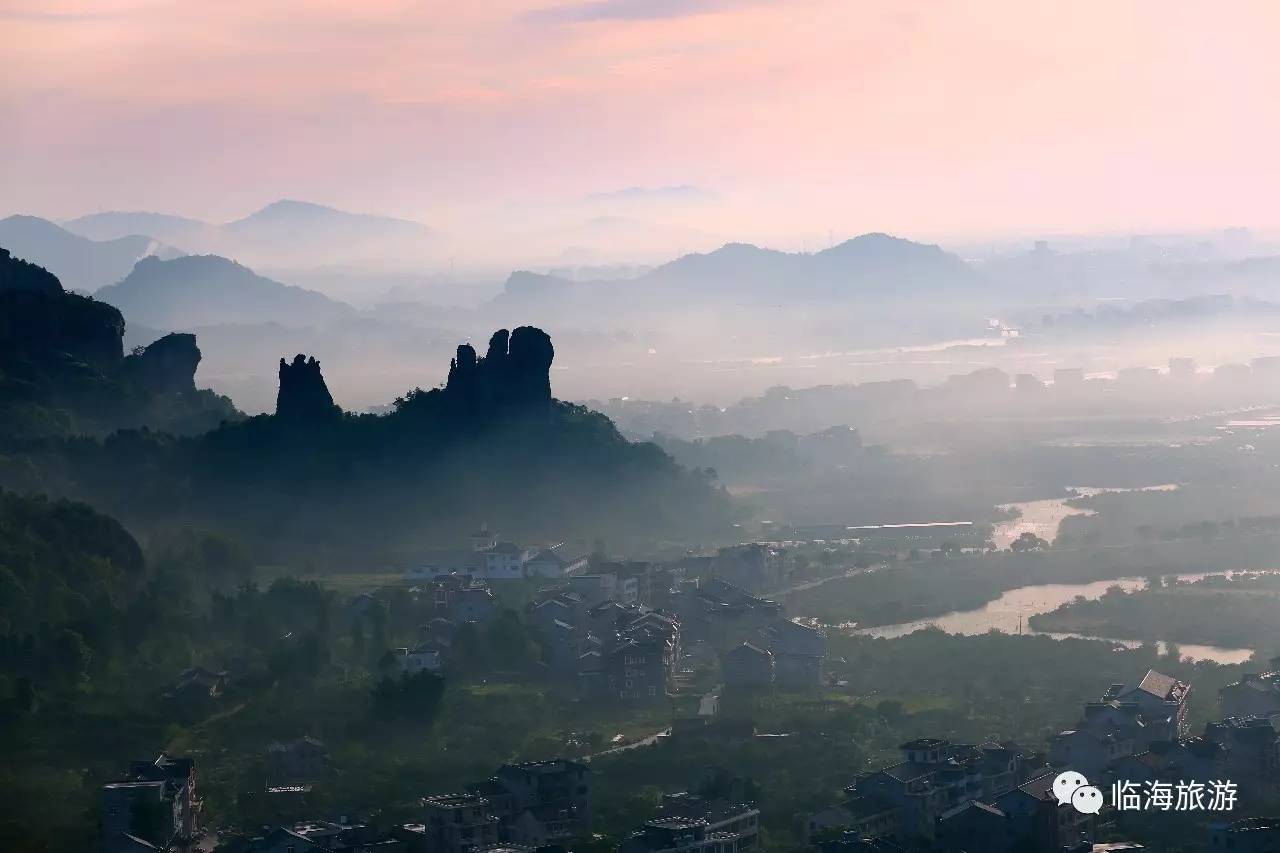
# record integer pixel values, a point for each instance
(284, 233)
(205, 290)
(870, 268)
(80, 263)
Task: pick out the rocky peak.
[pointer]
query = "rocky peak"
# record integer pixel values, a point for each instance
(303, 394)
(514, 374)
(167, 366)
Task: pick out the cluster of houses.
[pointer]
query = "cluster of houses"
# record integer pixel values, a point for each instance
(999, 798)
(1141, 735)
(492, 559)
(755, 566)
(529, 807)
(624, 630)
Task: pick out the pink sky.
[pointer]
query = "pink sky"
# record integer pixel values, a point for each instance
(799, 116)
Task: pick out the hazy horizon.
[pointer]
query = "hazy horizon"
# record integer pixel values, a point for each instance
(631, 129)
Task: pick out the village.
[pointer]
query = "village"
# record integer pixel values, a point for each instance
(633, 633)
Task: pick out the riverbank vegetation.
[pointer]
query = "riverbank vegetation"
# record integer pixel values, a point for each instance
(938, 584)
(1236, 611)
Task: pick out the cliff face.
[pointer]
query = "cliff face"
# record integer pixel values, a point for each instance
(303, 394)
(39, 321)
(167, 366)
(63, 368)
(513, 376)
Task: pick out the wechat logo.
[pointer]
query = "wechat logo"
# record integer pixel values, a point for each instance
(1071, 787)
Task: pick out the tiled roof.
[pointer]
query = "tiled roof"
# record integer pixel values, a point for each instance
(1159, 685)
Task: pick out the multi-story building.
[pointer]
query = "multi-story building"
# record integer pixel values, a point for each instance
(937, 776)
(1026, 818)
(1162, 700)
(716, 612)
(540, 802)
(692, 824)
(1252, 757)
(1123, 722)
(504, 561)
(156, 798)
(557, 561)
(640, 669)
(798, 654)
(754, 567)
(457, 823)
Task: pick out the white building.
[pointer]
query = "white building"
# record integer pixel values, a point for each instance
(504, 561)
(556, 562)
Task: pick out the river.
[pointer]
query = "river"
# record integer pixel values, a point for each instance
(1010, 612)
(1044, 517)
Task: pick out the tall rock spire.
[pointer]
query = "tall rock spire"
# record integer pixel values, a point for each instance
(303, 394)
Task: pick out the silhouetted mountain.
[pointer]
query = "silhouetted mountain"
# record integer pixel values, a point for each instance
(200, 290)
(78, 262)
(491, 444)
(63, 369)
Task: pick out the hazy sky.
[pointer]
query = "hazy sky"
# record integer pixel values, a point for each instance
(785, 118)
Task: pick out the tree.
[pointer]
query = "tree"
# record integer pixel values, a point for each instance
(413, 697)
(1028, 541)
(70, 655)
(24, 695)
(357, 640)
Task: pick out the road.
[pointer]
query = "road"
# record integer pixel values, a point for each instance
(647, 740)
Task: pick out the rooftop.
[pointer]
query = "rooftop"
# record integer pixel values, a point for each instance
(1161, 686)
(454, 801)
(676, 823)
(924, 743)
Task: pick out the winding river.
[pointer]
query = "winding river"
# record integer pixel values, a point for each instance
(1009, 613)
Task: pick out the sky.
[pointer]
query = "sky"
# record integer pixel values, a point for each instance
(774, 122)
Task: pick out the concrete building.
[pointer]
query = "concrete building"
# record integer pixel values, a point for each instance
(539, 802)
(1161, 699)
(692, 824)
(557, 561)
(155, 798)
(504, 561)
(937, 776)
(798, 654)
(458, 823)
